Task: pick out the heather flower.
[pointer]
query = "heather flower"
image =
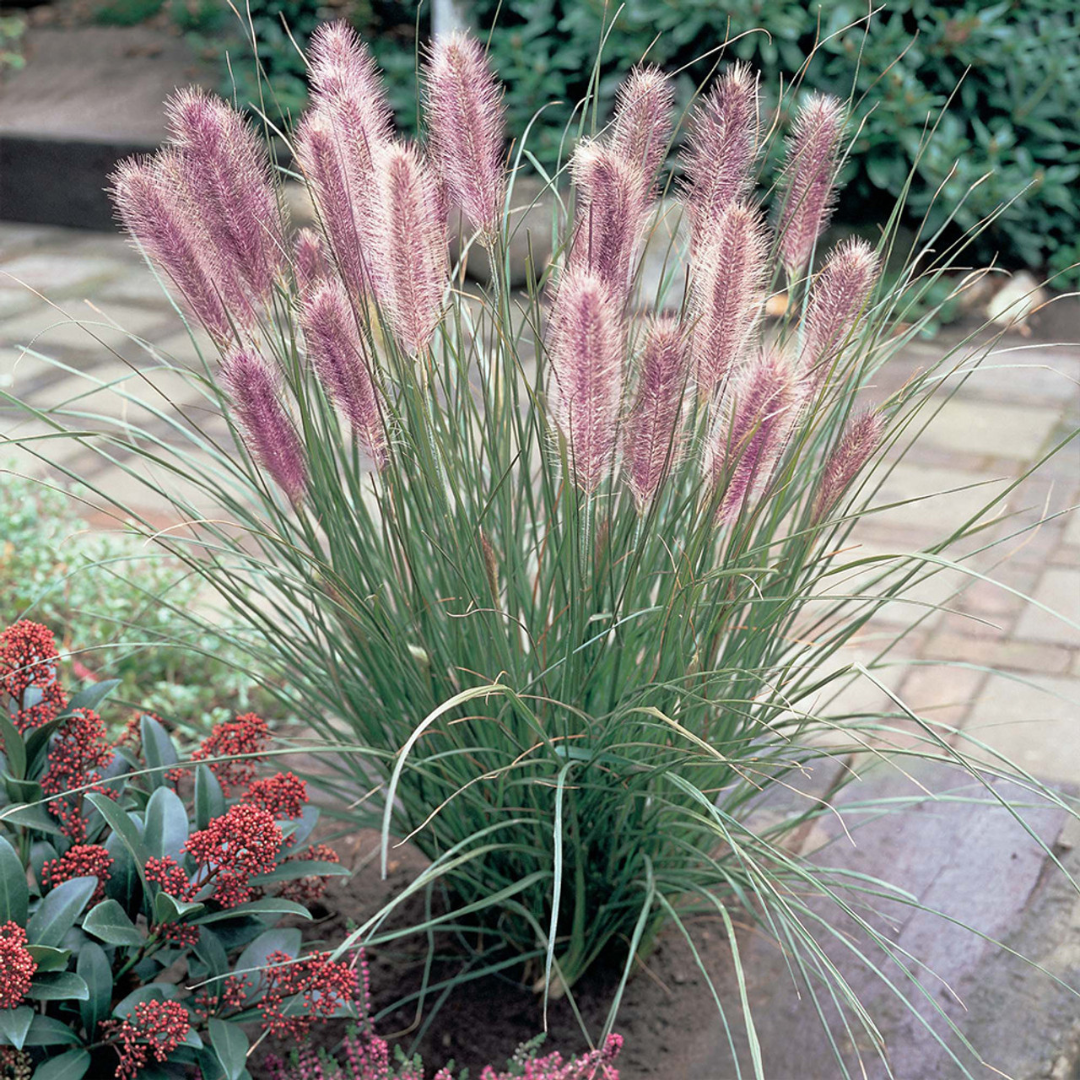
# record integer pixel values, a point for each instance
(311, 887)
(595, 1065)
(412, 244)
(344, 365)
(17, 966)
(612, 194)
(641, 128)
(724, 142)
(858, 442)
(809, 178)
(28, 675)
(270, 434)
(154, 1028)
(838, 295)
(226, 170)
(282, 795)
(247, 735)
(466, 125)
(295, 994)
(652, 430)
(309, 260)
(152, 207)
(758, 413)
(80, 860)
(727, 293)
(77, 753)
(585, 344)
(244, 842)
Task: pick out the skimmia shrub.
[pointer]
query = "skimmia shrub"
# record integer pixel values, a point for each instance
(554, 574)
(141, 894)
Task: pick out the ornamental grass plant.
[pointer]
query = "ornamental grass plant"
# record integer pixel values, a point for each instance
(557, 577)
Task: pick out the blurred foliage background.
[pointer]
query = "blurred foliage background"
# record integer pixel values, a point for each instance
(1013, 68)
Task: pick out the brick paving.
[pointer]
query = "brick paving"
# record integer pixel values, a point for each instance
(1022, 400)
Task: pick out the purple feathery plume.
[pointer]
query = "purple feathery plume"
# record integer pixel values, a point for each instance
(838, 295)
(343, 364)
(586, 343)
(467, 125)
(727, 292)
(309, 260)
(153, 212)
(612, 208)
(641, 128)
(412, 249)
(342, 67)
(759, 411)
(270, 434)
(651, 437)
(226, 169)
(809, 178)
(858, 442)
(724, 143)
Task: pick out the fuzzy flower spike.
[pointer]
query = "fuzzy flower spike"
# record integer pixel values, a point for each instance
(809, 179)
(858, 443)
(467, 127)
(641, 128)
(585, 344)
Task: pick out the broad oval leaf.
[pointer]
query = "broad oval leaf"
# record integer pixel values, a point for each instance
(167, 909)
(209, 800)
(109, 922)
(93, 965)
(14, 1024)
(49, 959)
(270, 905)
(90, 697)
(231, 1046)
(59, 986)
(150, 992)
(166, 827)
(70, 1065)
(59, 910)
(121, 823)
(45, 1031)
(290, 871)
(14, 747)
(14, 892)
(158, 750)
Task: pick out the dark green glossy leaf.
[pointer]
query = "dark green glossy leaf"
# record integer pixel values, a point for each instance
(150, 992)
(271, 905)
(166, 826)
(290, 871)
(14, 892)
(45, 1031)
(109, 922)
(211, 952)
(122, 825)
(209, 800)
(14, 1025)
(14, 747)
(33, 817)
(158, 750)
(168, 909)
(93, 965)
(90, 697)
(59, 986)
(70, 1065)
(49, 959)
(37, 746)
(253, 958)
(231, 1046)
(59, 910)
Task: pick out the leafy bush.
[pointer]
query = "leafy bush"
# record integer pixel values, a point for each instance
(562, 584)
(111, 590)
(120, 873)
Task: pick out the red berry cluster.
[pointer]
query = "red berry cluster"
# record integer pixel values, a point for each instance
(172, 878)
(311, 887)
(156, 1027)
(29, 661)
(80, 860)
(283, 795)
(233, 848)
(297, 993)
(246, 735)
(17, 966)
(75, 756)
(225, 994)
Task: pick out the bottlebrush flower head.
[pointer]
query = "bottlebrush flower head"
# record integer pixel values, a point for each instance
(283, 795)
(269, 432)
(154, 213)
(858, 442)
(642, 125)
(28, 675)
(247, 737)
(226, 169)
(243, 842)
(723, 145)
(412, 247)
(17, 966)
(343, 364)
(310, 266)
(757, 415)
(80, 860)
(838, 295)
(651, 434)
(809, 178)
(467, 129)
(154, 1027)
(727, 295)
(586, 342)
(612, 194)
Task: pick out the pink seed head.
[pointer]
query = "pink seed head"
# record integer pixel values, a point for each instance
(309, 260)
(858, 442)
(724, 143)
(838, 296)
(343, 364)
(759, 410)
(154, 213)
(586, 343)
(641, 129)
(343, 69)
(612, 206)
(268, 430)
(467, 126)
(412, 248)
(809, 178)
(727, 292)
(226, 169)
(651, 437)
